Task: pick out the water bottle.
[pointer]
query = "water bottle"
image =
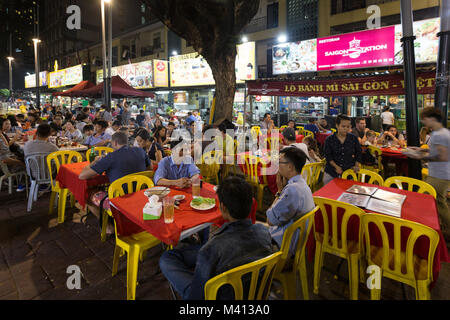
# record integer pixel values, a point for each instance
(92, 155)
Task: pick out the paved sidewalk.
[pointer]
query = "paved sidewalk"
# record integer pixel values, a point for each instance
(35, 253)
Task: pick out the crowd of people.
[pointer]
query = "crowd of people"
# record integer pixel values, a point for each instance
(140, 143)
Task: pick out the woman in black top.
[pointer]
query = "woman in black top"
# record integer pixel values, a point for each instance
(160, 135)
(154, 149)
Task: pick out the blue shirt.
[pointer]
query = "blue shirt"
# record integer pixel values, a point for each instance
(92, 140)
(122, 162)
(311, 127)
(191, 119)
(295, 200)
(167, 169)
(345, 155)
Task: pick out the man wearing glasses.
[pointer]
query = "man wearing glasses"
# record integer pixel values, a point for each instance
(294, 198)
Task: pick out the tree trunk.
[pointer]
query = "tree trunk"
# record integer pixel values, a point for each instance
(223, 70)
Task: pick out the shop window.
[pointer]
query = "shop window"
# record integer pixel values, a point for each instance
(272, 15)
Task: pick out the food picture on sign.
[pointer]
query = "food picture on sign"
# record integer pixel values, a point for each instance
(295, 57)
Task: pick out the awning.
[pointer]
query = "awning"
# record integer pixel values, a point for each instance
(86, 84)
(119, 89)
(364, 86)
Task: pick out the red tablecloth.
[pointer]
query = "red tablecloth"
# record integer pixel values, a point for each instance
(299, 138)
(321, 136)
(393, 153)
(68, 178)
(127, 211)
(271, 179)
(420, 208)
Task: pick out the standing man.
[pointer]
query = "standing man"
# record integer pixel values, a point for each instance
(360, 130)
(342, 150)
(438, 157)
(267, 123)
(126, 113)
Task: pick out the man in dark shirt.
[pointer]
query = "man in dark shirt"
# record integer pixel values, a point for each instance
(342, 150)
(236, 243)
(360, 130)
(140, 118)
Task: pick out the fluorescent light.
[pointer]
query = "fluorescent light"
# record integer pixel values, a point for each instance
(282, 38)
(10, 58)
(174, 52)
(244, 39)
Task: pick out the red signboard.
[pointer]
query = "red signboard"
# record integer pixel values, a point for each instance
(371, 48)
(365, 86)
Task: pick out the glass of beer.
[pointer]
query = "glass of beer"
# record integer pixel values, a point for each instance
(196, 186)
(168, 207)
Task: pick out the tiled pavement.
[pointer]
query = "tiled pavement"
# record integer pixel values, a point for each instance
(35, 253)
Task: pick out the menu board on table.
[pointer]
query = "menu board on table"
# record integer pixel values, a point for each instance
(193, 70)
(137, 75)
(294, 57)
(30, 81)
(371, 48)
(66, 77)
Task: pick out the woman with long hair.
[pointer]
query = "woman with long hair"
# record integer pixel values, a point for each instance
(151, 147)
(160, 135)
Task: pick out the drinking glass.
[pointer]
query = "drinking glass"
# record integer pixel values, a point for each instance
(196, 186)
(168, 207)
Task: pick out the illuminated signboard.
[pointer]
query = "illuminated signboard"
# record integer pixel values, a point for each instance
(30, 81)
(369, 48)
(66, 77)
(193, 70)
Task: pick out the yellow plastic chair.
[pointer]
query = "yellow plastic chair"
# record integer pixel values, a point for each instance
(376, 153)
(234, 276)
(308, 133)
(272, 143)
(337, 244)
(251, 165)
(333, 130)
(255, 131)
(424, 173)
(288, 278)
(411, 183)
(100, 151)
(136, 244)
(283, 127)
(311, 173)
(210, 166)
(362, 175)
(377, 134)
(106, 213)
(395, 264)
(58, 159)
(300, 130)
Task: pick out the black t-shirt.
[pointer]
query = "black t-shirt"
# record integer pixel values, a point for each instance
(152, 151)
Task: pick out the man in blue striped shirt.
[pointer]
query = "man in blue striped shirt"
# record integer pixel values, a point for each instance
(294, 198)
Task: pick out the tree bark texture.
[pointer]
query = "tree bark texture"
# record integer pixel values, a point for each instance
(212, 27)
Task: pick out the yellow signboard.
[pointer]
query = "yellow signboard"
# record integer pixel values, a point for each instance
(66, 77)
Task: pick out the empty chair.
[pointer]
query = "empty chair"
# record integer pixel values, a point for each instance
(410, 184)
(335, 242)
(308, 133)
(251, 174)
(210, 166)
(261, 272)
(363, 175)
(136, 244)
(38, 173)
(299, 232)
(376, 153)
(395, 256)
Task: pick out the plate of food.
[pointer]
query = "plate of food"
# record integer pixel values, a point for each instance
(201, 203)
(161, 192)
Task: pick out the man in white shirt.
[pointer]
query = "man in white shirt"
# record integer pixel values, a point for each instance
(114, 128)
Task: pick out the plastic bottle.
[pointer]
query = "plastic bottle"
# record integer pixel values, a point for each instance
(92, 155)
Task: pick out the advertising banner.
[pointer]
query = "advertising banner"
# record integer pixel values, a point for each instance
(30, 81)
(65, 77)
(295, 57)
(363, 49)
(160, 73)
(193, 70)
(137, 75)
(371, 48)
(366, 86)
